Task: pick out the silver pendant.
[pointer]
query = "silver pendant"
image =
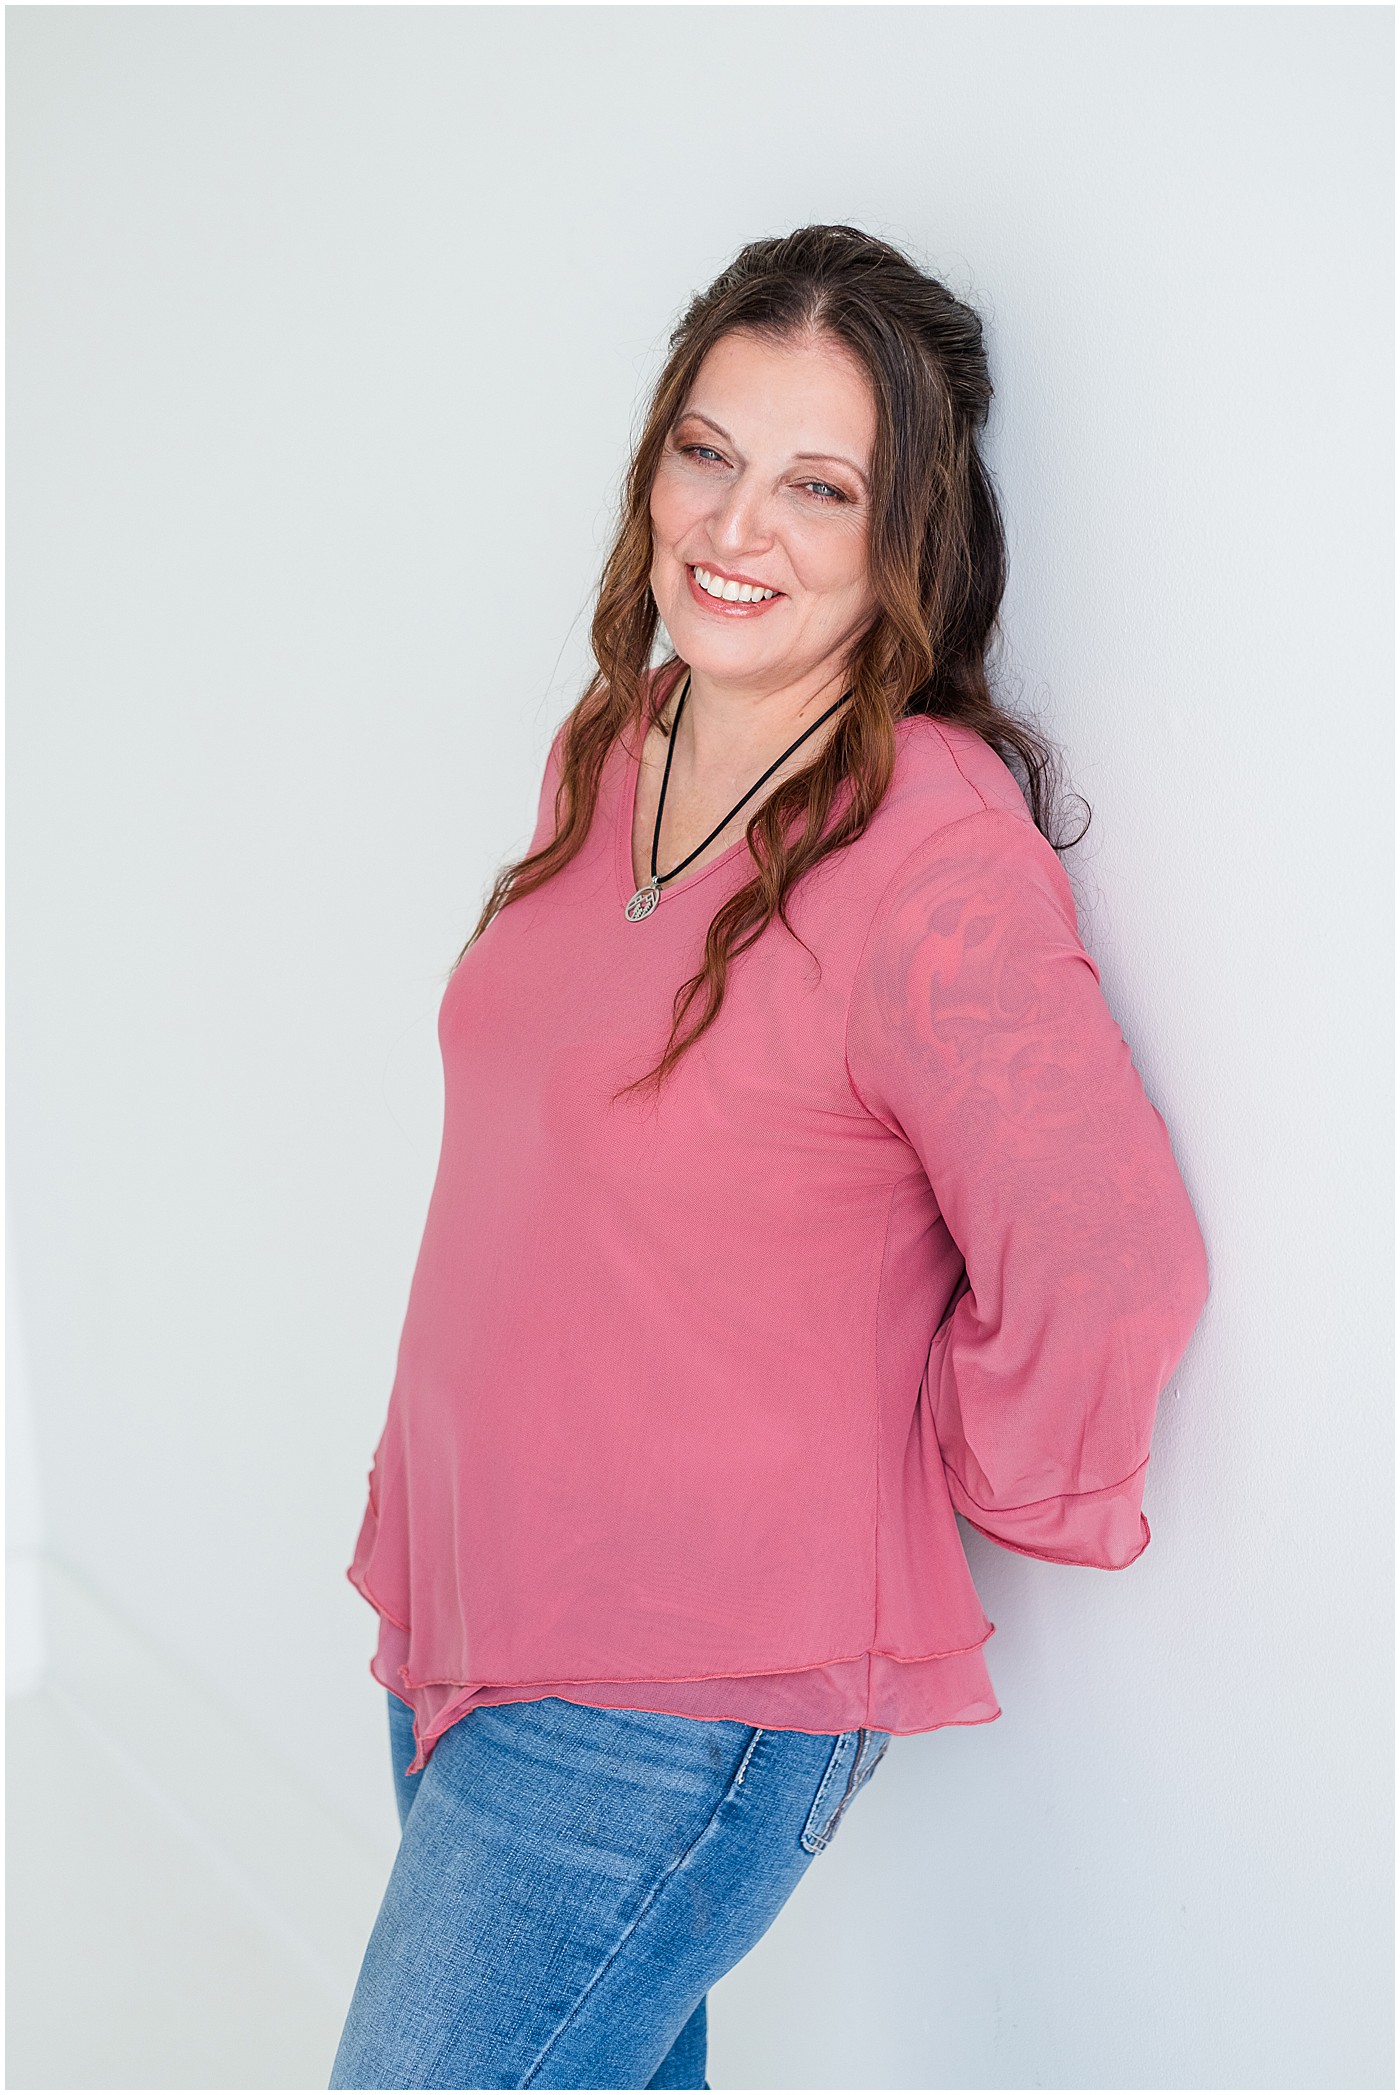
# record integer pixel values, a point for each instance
(643, 902)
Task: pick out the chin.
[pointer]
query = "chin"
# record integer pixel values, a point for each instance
(724, 665)
(710, 648)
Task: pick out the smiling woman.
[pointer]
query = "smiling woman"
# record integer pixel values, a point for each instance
(725, 505)
(798, 1193)
(742, 532)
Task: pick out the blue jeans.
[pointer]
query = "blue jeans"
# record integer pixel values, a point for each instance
(570, 1882)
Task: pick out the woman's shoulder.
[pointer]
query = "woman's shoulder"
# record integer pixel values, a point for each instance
(945, 778)
(943, 773)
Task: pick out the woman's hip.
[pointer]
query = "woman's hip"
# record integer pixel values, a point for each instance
(571, 1880)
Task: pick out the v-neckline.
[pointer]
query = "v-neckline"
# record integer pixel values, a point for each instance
(628, 885)
(627, 803)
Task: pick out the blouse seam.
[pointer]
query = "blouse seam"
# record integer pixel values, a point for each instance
(666, 1680)
(870, 929)
(875, 1405)
(957, 765)
(1053, 1498)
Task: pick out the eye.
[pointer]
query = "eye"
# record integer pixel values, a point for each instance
(822, 490)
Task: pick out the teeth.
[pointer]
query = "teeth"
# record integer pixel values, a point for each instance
(731, 592)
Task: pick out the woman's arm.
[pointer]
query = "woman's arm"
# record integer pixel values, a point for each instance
(978, 1031)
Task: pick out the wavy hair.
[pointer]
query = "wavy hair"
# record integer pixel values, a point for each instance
(937, 566)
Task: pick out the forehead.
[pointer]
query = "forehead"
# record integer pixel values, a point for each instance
(813, 393)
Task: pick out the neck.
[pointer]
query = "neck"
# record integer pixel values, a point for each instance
(726, 728)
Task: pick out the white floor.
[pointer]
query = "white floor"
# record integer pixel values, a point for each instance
(130, 1963)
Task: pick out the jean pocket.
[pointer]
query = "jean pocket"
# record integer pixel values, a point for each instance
(855, 1755)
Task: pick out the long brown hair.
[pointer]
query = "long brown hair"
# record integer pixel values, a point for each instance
(937, 561)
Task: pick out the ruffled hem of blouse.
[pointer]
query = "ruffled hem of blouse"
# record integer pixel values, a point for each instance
(879, 1690)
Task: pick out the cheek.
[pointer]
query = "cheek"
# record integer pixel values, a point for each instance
(834, 567)
(674, 508)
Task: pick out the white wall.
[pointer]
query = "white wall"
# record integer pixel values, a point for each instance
(328, 329)
(24, 1509)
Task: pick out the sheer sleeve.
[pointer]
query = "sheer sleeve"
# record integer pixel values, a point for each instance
(978, 1032)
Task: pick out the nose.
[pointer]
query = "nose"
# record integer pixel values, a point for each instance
(742, 521)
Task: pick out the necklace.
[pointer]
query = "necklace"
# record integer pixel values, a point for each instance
(649, 894)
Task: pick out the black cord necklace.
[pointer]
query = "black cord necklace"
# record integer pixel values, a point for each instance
(646, 898)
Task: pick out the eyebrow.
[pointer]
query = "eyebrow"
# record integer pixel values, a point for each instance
(834, 458)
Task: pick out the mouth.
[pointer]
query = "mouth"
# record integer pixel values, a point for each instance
(730, 596)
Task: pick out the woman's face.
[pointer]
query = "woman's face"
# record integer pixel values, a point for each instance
(765, 479)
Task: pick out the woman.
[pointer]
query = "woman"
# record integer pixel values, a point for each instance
(797, 1194)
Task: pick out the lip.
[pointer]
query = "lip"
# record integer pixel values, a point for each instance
(717, 605)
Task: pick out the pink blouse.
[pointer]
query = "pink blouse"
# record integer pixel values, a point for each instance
(692, 1391)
